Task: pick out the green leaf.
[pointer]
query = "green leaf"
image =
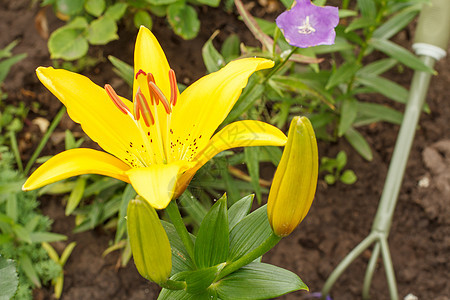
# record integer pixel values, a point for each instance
(367, 8)
(249, 233)
(381, 112)
(341, 160)
(181, 261)
(9, 278)
(22, 233)
(116, 11)
(252, 92)
(376, 68)
(161, 2)
(184, 20)
(142, 18)
(392, 26)
(230, 184)
(348, 177)
(6, 52)
(344, 13)
(192, 207)
(211, 57)
(102, 31)
(181, 295)
(11, 207)
(349, 110)
(211, 245)
(95, 7)
(76, 195)
(67, 43)
(343, 74)
(359, 23)
(359, 143)
(400, 54)
(230, 48)
(27, 266)
(239, 210)
(39, 237)
(258, 281)
(197, 281)
(6, 65)
(273, 154)
(124, 70)
(330, 179)
(252, 162)
(69, 7)
(385, 87)
(212, 3)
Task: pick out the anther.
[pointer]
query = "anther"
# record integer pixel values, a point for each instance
(159, 95)
(139, 73)
(150, 78)
(116, 100)
(144, 108)
(173, 87)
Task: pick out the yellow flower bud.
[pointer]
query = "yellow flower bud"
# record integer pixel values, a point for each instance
(149, 242)
(295, 180)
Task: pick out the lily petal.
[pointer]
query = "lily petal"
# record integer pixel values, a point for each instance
(237, 134)
(89, 105)
(76, 162)
(156, 183)
(207, 102)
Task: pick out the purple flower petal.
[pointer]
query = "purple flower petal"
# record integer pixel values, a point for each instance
(306, 25)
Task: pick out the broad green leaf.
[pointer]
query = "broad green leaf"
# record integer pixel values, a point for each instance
(143, 18)
(367, 8)
(239, 210)
(359, 143)
(249, 233)
(211, 57)
(76, 195)
(161, 2)
(6, 65)
(348, 177)
(270, 153)
(184, 20)
(340, 44)
(116, 11)
(9, 278)
(128, 194)
(181, 295)
(258, 281)
(252, 92)
(198, 280)
(385, 87)
(230, 183)
(400, 54)
(212, 3)
(376, 68)
(69, 7)
(27, 266)
(211, 245)
(341, 160)
(349, 110)
(230, 48)
(181, 261)
(67, 43)
(77, 23)
(39, 237)
(22, 233)
(252, 162)
(95, 7)
(159, 10)
(124, 70)
(381, 112)
(360, 23)
(192, 207)
(343, 74)
(11, 207)
(344, 13)
(392, 26)
(102, 31)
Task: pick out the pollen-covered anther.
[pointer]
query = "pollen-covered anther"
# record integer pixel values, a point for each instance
(173, 87)
(116, 100)
(143, 108)
(159, 95)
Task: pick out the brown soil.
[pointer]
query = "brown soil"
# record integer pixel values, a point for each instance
(341, 215)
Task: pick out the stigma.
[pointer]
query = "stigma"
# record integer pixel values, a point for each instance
(306, 28)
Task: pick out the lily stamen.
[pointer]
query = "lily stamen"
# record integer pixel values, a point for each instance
(173, 87)
(159, 95)
(116, 100)
(150, 78)
(144, 108)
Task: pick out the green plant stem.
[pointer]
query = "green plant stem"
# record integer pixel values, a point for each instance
(177, 221)
(268, 244)
(45, 138)
(279, 65)
(173, 285)
(15, 150)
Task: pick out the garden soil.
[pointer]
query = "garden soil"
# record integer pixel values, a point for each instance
(341, 215)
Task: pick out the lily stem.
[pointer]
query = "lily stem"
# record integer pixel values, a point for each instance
(268, 244)
(173, 285)
(177, 221)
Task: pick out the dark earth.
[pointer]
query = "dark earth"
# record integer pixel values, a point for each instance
(341, 215)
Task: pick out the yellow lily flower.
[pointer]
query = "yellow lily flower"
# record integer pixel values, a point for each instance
(160, 139)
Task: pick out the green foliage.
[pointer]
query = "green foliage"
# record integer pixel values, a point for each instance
(334, 169)
(10, 280)
(7, 60)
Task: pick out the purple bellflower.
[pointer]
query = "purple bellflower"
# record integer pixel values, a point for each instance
(306, 25)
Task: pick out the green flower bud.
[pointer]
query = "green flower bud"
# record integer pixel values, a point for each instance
(295, 180)
(149, 242)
